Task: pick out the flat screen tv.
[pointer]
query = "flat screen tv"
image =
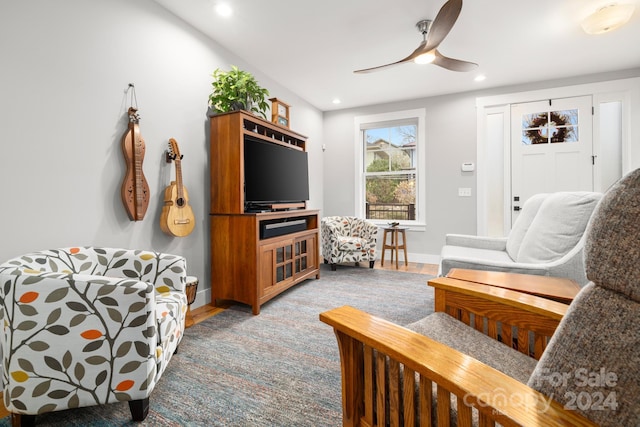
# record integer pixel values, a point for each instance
(273, 174)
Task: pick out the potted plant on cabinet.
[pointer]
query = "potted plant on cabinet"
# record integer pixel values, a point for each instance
(237, 90)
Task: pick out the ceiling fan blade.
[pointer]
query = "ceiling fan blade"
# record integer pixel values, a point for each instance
(379, 67)
(453, 64)
(442, 24)
(419, 50)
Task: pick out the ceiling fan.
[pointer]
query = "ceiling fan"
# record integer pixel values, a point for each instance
(433, 33)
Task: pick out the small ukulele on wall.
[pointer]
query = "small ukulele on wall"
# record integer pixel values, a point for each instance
(177, 217)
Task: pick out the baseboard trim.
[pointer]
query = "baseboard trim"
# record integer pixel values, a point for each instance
(424, 258)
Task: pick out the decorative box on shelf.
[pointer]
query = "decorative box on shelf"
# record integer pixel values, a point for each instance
(280, 112)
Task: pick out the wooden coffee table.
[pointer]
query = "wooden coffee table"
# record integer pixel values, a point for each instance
(554, 288)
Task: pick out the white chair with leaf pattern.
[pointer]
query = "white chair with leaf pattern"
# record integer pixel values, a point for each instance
(88, 326)
(348, 239)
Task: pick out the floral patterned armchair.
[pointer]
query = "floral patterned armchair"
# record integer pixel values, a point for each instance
(348, 239)
(88, 326)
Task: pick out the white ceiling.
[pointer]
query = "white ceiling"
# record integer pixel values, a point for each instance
(312, 47)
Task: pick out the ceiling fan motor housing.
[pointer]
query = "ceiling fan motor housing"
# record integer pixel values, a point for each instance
(424, 26)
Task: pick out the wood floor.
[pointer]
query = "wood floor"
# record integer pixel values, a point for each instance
(206, 311)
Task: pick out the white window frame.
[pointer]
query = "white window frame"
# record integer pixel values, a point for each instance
(381, 120)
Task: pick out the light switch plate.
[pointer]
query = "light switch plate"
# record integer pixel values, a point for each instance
(464, 192)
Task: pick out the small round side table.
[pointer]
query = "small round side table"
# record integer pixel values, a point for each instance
(190, 289)
(394, 245)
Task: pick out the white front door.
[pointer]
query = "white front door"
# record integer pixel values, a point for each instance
(551, 148)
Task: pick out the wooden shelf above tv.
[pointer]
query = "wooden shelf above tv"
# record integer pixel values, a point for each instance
(273, 132)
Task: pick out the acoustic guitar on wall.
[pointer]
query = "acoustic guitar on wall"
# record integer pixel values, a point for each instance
(177, 217)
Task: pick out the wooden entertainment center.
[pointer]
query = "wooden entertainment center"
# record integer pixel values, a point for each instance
(255, 255)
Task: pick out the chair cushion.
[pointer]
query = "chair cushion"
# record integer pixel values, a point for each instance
(475, 255)
(523, 222)
(558, 226)
(351, 244)
(455, 334)
(592, 363)
(612, 250)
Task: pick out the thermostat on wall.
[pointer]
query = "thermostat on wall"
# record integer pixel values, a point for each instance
(468, 167)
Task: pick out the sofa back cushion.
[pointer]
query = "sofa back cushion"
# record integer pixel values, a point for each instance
(558, 227)
(521, 226)
(612, 247)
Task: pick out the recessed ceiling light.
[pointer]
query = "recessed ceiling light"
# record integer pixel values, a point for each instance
(336, 101)
(480, 77)
(224, 10)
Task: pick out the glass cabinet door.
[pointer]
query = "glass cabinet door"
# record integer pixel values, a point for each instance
(304, 254)
(283, 262)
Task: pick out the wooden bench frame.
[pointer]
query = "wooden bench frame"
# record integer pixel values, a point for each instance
(388, 369)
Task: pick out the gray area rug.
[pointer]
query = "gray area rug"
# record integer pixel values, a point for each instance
(280, 368)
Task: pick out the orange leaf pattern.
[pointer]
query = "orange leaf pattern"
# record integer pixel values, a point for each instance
(91, 334)
(28, 297)
(125, 385)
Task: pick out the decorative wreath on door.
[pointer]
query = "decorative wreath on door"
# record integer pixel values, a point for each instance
(548, 127)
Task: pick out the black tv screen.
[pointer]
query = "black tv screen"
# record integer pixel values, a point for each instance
(274, 173)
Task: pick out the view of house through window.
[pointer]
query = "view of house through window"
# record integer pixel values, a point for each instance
(390, 158)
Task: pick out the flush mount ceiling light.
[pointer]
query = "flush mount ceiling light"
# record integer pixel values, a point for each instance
(607, 18)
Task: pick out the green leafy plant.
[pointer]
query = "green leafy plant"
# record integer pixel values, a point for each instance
(237, 90)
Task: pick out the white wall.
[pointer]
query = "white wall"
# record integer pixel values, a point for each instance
(65, 68)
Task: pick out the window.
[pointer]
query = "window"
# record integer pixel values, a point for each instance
(550, 127)
(390, 159)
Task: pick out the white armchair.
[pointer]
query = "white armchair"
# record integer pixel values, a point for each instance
(88, 326)
(547, 239)
(348, 239)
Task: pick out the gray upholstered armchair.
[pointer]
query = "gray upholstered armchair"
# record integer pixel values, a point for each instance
(450, 369)
(348, 239)
(88, 326)
(546, 239)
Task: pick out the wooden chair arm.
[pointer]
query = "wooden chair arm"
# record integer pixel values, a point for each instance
(558, 289)
(523, 321)
(366, 341)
